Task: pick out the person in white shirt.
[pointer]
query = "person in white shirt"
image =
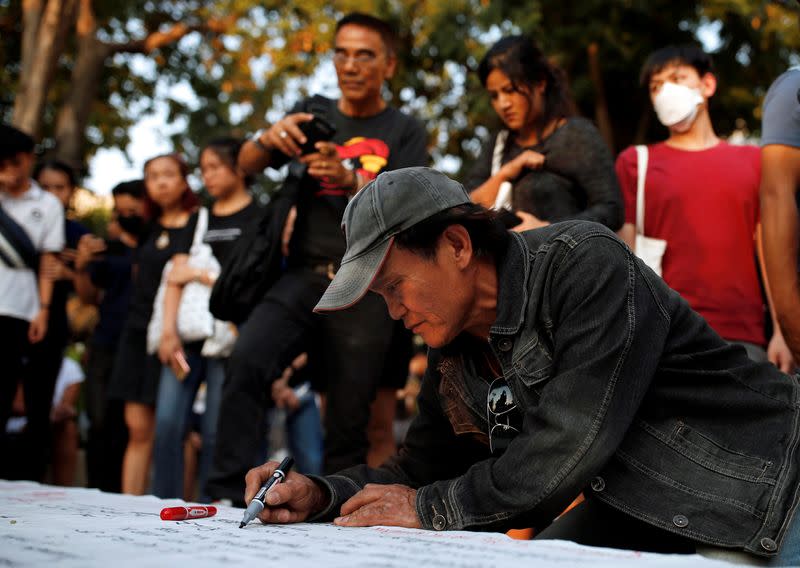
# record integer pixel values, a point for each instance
(38, 218)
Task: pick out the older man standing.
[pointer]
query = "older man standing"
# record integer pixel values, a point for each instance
(559, 363)
(350, 350)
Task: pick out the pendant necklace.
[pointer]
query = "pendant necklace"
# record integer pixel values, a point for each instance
(162, 241)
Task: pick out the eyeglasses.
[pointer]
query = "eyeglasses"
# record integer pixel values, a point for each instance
(500, 407)
(341, 58)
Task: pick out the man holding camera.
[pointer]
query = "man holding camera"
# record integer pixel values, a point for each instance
(348, 352)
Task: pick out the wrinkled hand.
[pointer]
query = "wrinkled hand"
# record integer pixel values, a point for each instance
(387, 505)
(285, 135)
(292, 501)
(88, 247)
(326, 165)
(527, 160)
(528, 222)
(779, 354)
(38, 327)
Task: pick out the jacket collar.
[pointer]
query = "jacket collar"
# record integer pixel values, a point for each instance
(513, 270)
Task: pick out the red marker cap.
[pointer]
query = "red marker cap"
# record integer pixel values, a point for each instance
(183, 513)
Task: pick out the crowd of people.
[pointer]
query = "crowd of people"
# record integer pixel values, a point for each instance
(180, 415)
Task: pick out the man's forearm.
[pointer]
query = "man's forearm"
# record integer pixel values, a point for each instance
(780, 240)
(780, 259)
(254, 158)
(45, 284)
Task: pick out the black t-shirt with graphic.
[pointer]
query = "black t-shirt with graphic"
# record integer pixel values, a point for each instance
(388, 140)
(223, 230)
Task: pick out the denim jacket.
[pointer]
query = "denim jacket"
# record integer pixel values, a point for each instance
(626, 394)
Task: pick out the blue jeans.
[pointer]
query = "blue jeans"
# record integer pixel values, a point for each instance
(304, 436)
(304, 433)
(173, 411)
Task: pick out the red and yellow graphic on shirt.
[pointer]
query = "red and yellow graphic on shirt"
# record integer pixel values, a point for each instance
(367, 156)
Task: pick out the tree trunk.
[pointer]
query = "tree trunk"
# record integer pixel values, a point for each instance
(600, 103)
(31, 17)
(73, 115)
(42, 42)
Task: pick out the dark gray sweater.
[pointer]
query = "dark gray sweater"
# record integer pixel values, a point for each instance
(577, 180)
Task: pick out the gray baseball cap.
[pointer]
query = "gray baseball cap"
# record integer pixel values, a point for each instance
(388, 205)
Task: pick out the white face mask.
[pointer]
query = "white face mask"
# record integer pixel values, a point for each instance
(677, 104)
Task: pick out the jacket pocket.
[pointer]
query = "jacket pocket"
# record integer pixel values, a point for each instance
(703, 450)
(533, 362)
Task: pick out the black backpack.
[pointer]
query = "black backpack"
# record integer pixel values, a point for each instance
(256, 260)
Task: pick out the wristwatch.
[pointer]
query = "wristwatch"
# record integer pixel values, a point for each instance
(256, 139)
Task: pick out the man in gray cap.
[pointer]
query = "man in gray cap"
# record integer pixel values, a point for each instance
(559, 364)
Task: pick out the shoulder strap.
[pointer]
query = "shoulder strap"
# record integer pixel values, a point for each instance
(641, 174)
(503, 199)
(16, 247)
(497, 153)
(201, 227)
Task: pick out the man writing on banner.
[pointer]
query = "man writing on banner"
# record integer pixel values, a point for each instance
(559, 364)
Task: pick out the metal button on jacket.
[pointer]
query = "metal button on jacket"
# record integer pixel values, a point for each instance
(504, 344)
(439, 522)
(598, 484)
(680, 521)
(769, 545)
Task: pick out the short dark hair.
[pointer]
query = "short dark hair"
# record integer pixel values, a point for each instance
(227, 150)
(521, 60)
(488, 234)
(687, 54)
(58, 166)
(381, 27)
(135, 188)
(14, 141)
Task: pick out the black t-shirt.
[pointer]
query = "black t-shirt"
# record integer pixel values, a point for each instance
(386, 141)
(158, 245)
(223, 230)
(577, 180)
(112, 273)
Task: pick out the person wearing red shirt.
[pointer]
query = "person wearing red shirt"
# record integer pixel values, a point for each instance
(701, 197)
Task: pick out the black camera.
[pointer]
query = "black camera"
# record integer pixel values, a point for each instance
(316, 130)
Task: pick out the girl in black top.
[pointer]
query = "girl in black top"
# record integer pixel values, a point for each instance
(550, 164)
(170, 205)
(233, 212)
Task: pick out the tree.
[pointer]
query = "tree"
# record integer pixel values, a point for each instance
(70, 61)
(66, 64)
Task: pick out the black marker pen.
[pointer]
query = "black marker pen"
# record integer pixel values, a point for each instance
(259, 501)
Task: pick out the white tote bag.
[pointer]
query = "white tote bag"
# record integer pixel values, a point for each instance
(503, 199)
(195, 322)
(650, 250)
